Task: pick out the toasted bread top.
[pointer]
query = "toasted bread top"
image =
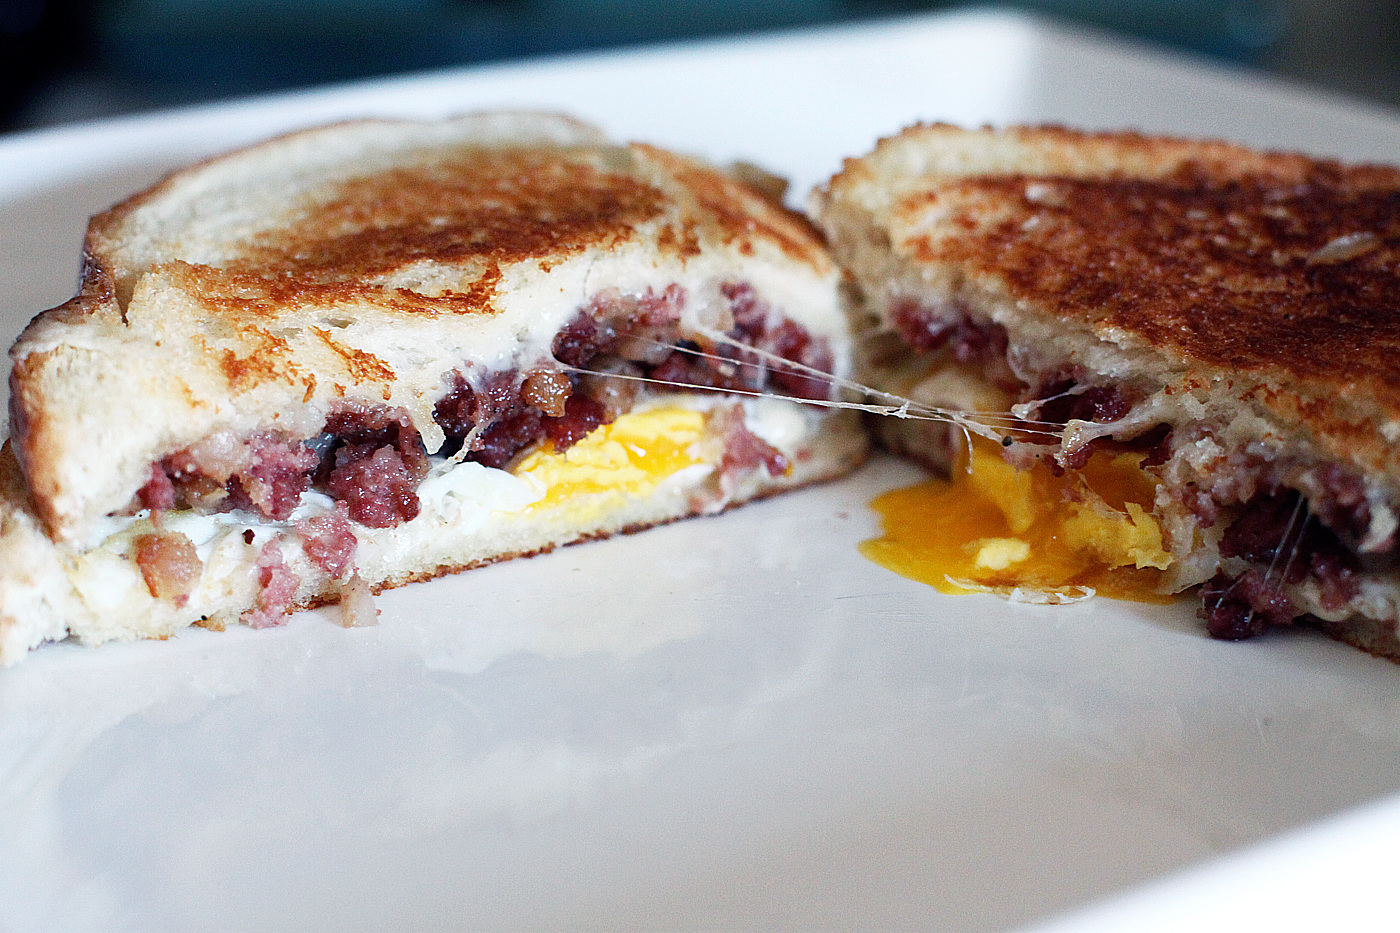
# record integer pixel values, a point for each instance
(348, 207)
(1273, 269)
(369, 259)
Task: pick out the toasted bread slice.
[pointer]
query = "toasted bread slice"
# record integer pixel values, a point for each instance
(1229, 313)
(385, 350)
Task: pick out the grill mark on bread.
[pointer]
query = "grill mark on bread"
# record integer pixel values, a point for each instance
(265, 361)
(682, 239)
(362, 365)
(490, 206)
(1168, 260)
(481, 208)
(479, 294)
(233, 296)
(742, 214)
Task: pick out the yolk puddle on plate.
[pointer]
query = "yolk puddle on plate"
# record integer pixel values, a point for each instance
(993, 526)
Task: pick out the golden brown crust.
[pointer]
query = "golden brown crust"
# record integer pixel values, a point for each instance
(30, 430)
(477, 209)
(1235, 275)
(741, 214)
(908, 155)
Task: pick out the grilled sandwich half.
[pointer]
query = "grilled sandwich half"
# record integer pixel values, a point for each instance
(379, 351)
(1228, 317)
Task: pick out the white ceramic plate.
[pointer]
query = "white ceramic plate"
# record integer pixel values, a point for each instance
(726, 724)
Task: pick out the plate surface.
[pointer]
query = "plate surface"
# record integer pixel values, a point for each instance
(732, 723)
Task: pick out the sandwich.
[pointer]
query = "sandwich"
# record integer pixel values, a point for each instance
(379, 351)
(1157, 364)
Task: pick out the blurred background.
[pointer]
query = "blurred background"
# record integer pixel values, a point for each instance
(64, 60)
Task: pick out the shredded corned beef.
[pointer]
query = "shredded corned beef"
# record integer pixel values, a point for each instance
(1277, 532)
(278, 585)
(581, 415)
(1063, 398)
(375, 463)
(277, 473)
(159, 491)
(504, 413)
(969, 339)
(1242, 607)
(376, 485)
(329, 540)
(744, 451)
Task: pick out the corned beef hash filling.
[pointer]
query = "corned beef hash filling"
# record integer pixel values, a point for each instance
(1293, 534)
(370, 460)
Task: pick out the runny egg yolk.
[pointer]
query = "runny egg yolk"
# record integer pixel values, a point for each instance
(631, 456)
(992, 526)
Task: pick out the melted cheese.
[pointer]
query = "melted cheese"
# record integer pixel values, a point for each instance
(1027, 533)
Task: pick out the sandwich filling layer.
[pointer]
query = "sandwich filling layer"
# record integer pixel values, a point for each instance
(371, 457)
(627, 407)
(652, 463)
(1271, 529)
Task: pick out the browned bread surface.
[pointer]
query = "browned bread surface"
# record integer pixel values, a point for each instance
(467, 204)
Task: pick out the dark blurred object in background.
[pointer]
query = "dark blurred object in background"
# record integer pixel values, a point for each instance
(39, 40)
(1351, 46)
(76, 59)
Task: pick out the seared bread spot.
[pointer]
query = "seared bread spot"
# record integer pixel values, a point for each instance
(264, 359)
(744, 215)
(362, 365)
